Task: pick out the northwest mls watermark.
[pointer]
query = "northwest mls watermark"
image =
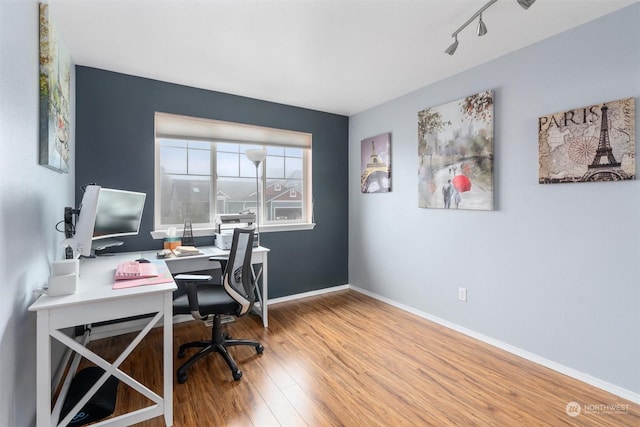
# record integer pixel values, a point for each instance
(573, 409)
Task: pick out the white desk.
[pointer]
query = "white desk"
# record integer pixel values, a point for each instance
(259, 259)
(96, 301)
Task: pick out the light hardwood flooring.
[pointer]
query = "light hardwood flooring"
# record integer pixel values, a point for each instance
(345, 359)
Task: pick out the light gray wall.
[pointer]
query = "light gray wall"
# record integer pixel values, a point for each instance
(32, 200)
(553, 270)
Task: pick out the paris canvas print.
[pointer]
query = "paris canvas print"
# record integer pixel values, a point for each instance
(455, 154)
(375, 164)
(588, 144)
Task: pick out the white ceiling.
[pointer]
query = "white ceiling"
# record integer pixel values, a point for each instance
(338, 56)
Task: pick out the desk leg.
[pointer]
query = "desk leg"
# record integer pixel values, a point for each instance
(168, 359)
(261, 290)
(43, 370)
(265, 288)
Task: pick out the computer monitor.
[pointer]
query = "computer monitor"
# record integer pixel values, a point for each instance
(118, 213)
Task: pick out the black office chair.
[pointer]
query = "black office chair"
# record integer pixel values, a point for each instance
(206, 302)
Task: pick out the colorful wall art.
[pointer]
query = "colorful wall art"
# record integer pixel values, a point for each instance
(455, 154)
(55, 89)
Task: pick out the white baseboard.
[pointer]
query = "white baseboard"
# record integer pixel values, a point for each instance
(308, 294)
(580, 376)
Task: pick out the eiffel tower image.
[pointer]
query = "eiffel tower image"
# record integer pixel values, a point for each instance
(604, 166)
(187, 234)
(375, 178)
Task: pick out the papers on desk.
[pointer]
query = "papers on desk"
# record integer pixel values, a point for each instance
(162, 275)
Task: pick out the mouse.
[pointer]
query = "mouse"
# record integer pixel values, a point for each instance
(142, 261)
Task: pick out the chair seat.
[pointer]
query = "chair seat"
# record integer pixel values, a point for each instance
(211, 300)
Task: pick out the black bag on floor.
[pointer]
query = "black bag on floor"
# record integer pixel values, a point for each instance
(101, 405)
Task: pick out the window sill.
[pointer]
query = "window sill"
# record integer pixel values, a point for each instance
(271, 228)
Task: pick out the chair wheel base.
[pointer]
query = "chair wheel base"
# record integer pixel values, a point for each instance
(237, 375)
(259, 349)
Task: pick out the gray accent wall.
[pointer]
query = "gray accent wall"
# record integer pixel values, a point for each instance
(553, 271)
(115, 148)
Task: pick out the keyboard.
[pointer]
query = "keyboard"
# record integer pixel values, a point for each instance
(134, 270)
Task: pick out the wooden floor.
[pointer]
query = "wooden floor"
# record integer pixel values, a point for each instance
(344, 359)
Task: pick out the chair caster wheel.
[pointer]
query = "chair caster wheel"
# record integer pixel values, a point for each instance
(237, 375)
(259, 349)
(180, 354)
(228, 337)
(182, 378)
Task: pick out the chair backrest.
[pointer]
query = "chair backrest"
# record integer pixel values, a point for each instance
(238, 277)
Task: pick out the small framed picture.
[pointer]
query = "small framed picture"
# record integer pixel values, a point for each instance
(375, 164)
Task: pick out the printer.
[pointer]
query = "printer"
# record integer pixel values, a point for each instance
(225, 223)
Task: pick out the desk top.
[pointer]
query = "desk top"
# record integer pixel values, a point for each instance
(96, 277)
(95, 283)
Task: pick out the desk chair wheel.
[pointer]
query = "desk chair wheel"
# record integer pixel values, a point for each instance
(259, 349)
(237, 375)
(182, 378)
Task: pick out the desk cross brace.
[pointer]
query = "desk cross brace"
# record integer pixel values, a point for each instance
(111, 369)
(256, 277)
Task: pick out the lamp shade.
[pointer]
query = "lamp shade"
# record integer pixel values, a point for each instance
(451, 49)
(482, 28)
(256, 155)
(525, 3)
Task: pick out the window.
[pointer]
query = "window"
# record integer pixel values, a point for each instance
(202, 171)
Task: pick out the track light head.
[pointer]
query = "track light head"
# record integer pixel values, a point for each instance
(482, 29)
(525, 3)
(452, 49)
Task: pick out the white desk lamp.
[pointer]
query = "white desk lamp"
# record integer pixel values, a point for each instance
(257, 156)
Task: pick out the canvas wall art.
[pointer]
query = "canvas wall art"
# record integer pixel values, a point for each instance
(375, 164)
(455, 154)
(588, 144)
(55, 90)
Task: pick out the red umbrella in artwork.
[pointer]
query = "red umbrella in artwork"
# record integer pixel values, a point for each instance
(461, 183)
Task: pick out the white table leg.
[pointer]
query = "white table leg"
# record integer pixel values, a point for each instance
(265, 288)
(43, 370)
(167, 351)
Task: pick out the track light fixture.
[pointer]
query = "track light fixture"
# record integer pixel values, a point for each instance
(482, 28)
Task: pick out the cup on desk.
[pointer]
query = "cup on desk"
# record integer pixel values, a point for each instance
(64, 277)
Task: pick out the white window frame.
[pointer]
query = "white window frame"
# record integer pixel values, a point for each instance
(172, 126)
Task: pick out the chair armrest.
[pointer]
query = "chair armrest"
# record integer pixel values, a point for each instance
(221, 259)
(191, 286)
(193, 277)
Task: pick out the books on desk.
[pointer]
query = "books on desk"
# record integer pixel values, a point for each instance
(181, 251)
(151, 273)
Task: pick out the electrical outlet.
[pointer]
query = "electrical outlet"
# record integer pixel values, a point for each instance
(462, 294)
